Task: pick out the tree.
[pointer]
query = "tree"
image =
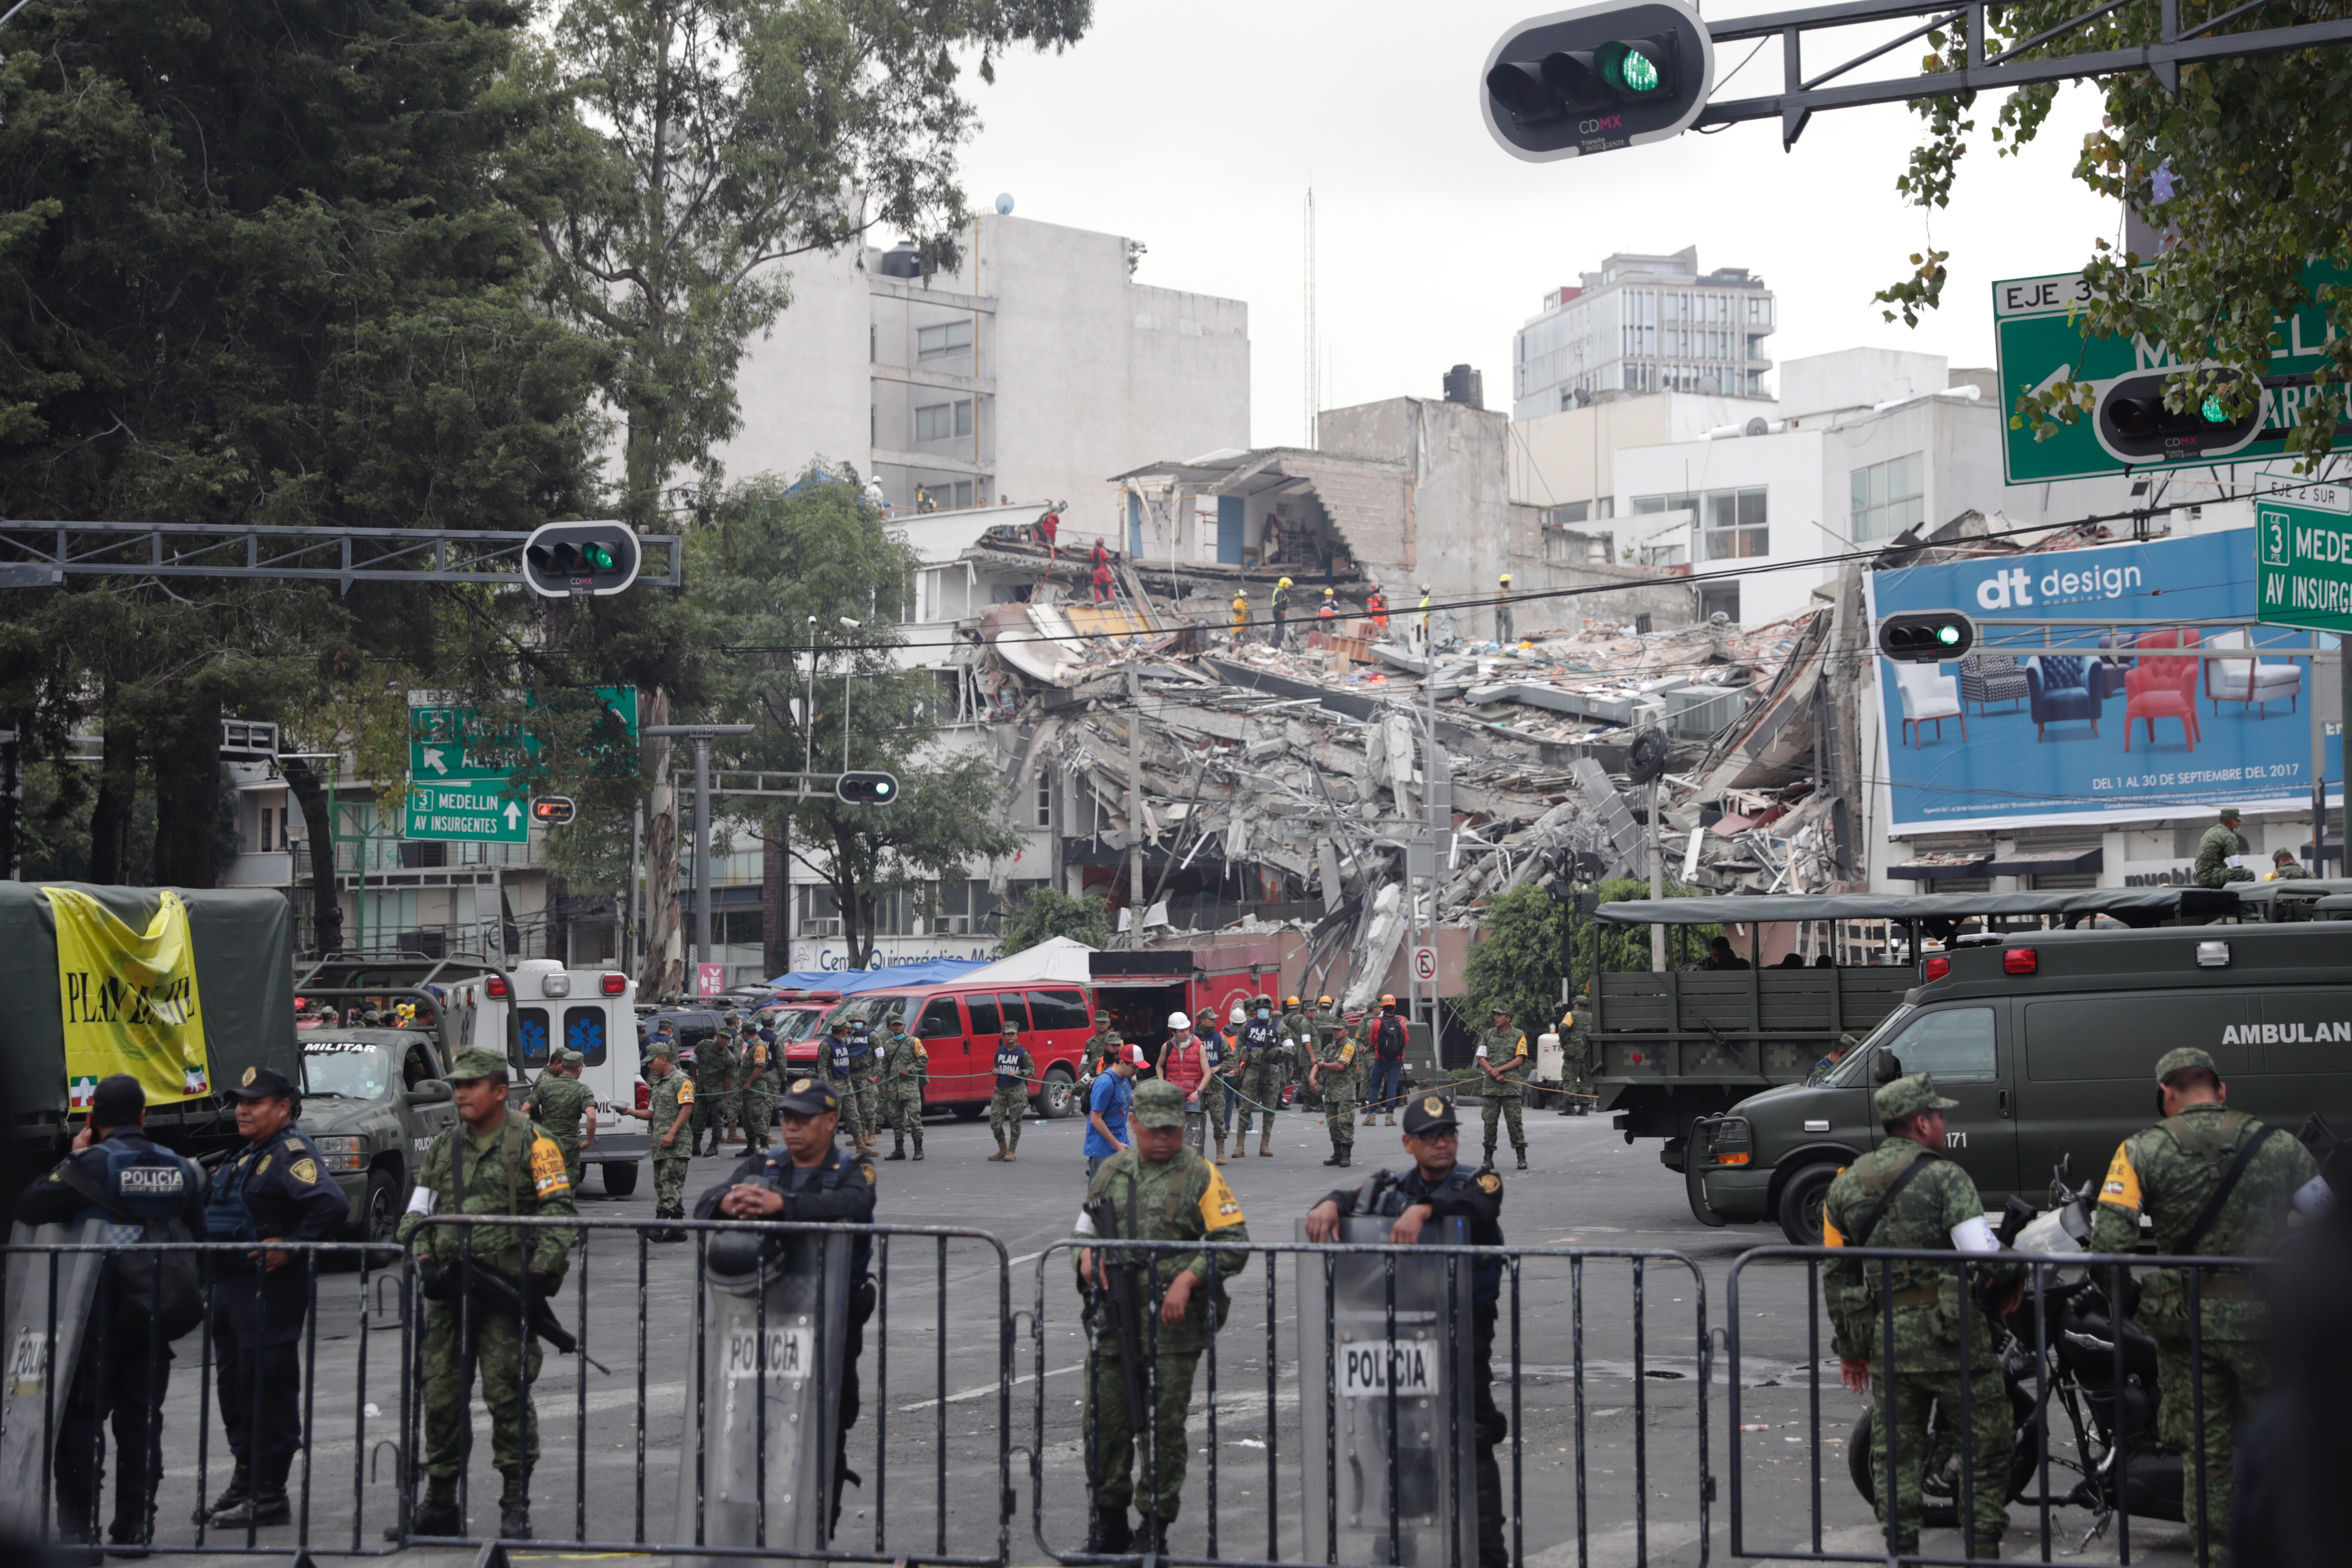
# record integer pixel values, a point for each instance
(729, 136)
(783, 568)
(2245, 163)
(1042, 914)
(1516, 962)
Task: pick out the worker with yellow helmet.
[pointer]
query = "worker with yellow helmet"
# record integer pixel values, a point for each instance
(1299, 1029)
(1503, 611)
(1240, 612)
(1281, 607)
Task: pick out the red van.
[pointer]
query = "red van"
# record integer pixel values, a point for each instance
(960, 1025)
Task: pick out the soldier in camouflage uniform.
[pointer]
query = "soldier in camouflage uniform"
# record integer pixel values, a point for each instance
(667, 1116)
(2213, 852)
(1904, 1194)
(1299, 1030)
(764, 1077)
(1502, 1058)
(1014, 1069)
(1575, 1069)
(906, 1065)
(1155, 1189)
(1101, 1046)
(1263, 1073)
(487, 1162)
(714, 1068)
(1332, 1075)
(2172, 1172)
(558, 1102)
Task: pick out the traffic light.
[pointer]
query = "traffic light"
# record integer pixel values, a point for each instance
(561, 559)
(2132, 422)
(866, 789)
(551, 810)
(1929, 637)
(1597, 78)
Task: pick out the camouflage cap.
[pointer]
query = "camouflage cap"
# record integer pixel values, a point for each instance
(733, 1018)
(1157, 1103)
(1113, 1037)
(2183, 1058)
(475, 1063)
(2228, 814)
(1908, 1095)
(896, 1015)
(571, 1057)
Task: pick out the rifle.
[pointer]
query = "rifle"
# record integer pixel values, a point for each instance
(1123, 1304)
(493, 1293)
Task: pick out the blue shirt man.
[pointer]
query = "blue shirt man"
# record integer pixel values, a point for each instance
(1107, 1108)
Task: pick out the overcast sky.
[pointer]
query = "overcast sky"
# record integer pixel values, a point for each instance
(1197, 128)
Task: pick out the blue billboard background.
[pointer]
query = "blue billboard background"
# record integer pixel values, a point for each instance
(2045, 735)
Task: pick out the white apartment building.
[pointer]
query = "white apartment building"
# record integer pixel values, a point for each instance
(1645, 324)
(1034, 371)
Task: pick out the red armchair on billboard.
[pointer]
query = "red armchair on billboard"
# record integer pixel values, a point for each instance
(2163, 688)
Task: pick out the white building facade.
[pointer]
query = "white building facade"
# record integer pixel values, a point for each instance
(1645, 324)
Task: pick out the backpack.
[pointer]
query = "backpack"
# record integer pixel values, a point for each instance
(145, 1191)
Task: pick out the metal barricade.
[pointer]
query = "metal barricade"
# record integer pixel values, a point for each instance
(2060, 1352)
(741, 1360)
(1541, 1307)
(68, 1363)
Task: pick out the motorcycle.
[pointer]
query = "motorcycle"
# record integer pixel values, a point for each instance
(2117, 1463)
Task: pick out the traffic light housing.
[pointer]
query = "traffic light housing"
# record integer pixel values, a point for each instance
(564, 559)
(1596, 79)
(553, 810)
(2131, 421)
(866, 789)
(1927, 636)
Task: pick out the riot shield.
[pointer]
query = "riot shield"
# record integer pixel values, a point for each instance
(49, 1302)
(1386, 1402)
(774, 1319)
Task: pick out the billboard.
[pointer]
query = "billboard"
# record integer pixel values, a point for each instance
(2018, 738)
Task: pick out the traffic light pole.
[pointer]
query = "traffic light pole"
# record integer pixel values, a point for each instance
(43, 554)
(701, 735)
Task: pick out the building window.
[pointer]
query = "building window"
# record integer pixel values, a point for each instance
(1734, 526)
(1721, 598)
(1665, 555)
(819, 909)
(943, 421)
(945, 339)
(1566, 513)
(1684, 502)
(1888, 498)
(267, 813)
(1045, 798)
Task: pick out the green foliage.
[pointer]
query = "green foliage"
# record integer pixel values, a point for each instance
(2251, 152)
(1043, 914)
(1516, 961)
(783, 565)
(1628, 947)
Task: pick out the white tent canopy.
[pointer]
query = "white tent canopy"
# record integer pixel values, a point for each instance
(1055, 959)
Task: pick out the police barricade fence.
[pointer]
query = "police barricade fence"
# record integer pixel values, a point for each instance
(89, 1333)
(1972, 1427)
(1378, 1350)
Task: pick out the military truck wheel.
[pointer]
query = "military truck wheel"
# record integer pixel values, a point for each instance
(1059, 1098)
(1801, 1204)
(620, 1177)
(380, 1210)
(1694, 1188)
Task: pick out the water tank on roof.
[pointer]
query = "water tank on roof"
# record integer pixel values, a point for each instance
(1465, 386)
(902, 260)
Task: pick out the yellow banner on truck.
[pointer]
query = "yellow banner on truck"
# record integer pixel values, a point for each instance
(128, 999)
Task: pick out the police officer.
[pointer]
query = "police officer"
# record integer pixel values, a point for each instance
(811, 1179)
(1155, 1189)
(906, 1067)
(2213, 852)
(486, 1163)
(841, 1063)
(669, 1109)
(1009, 1101)
(2214, 1183)
(563, 1106)
(1503, 1059)
(1438, 1188)
(762, 1076)
(1332, 1075)
(274, 1189)
(125, 1386)
(1263, 1074)
(1904, 1194)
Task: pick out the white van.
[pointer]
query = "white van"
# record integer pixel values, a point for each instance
(591, 1011)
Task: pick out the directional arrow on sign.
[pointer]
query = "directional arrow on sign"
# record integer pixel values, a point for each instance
(514, 815)
(433, 760)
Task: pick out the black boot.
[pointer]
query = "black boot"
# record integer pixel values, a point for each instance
(1523, 1159)
(1152, 1535)
(438, 1514)
(240, 1485)
(514, 1506)
(919, 1151)
(1110, 1535)
(898, 1153)
(267, 1502)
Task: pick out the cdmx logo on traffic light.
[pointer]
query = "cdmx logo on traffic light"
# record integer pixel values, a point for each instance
(1597, 78)
(866, 789)
(2131, 421)
(1927, 637)
(561, 559)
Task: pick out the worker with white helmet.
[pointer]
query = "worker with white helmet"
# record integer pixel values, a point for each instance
(1184, 1062)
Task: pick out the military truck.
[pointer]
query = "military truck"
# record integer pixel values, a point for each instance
(1667, 1048)
(2048, 1040)
(373, 1101)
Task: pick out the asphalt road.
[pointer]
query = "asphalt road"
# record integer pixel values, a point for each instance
(929, 1440)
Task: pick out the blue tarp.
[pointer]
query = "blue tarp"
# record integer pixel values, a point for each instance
(850, 982)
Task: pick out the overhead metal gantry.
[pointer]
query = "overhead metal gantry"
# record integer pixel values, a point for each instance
(43, 554)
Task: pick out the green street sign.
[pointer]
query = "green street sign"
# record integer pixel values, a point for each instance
(2039, 338)
(2302, 567)
(476, 810)
(454, 746)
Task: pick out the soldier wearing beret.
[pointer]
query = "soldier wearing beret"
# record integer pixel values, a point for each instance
(563, 1106)
(2214, 1183)
(276, 1188)
(1437, 1187)
(1154, 1189)
(669, 1107)
(487, 1163)
(1904, 1194)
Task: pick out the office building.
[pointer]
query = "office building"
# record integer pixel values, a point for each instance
(1645, 324)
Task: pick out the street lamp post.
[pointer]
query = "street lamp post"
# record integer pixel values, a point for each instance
(701, 735)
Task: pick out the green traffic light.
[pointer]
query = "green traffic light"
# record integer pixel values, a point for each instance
(1629, 69)
(2212, 411)
(1947, 634)
(598, 556)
